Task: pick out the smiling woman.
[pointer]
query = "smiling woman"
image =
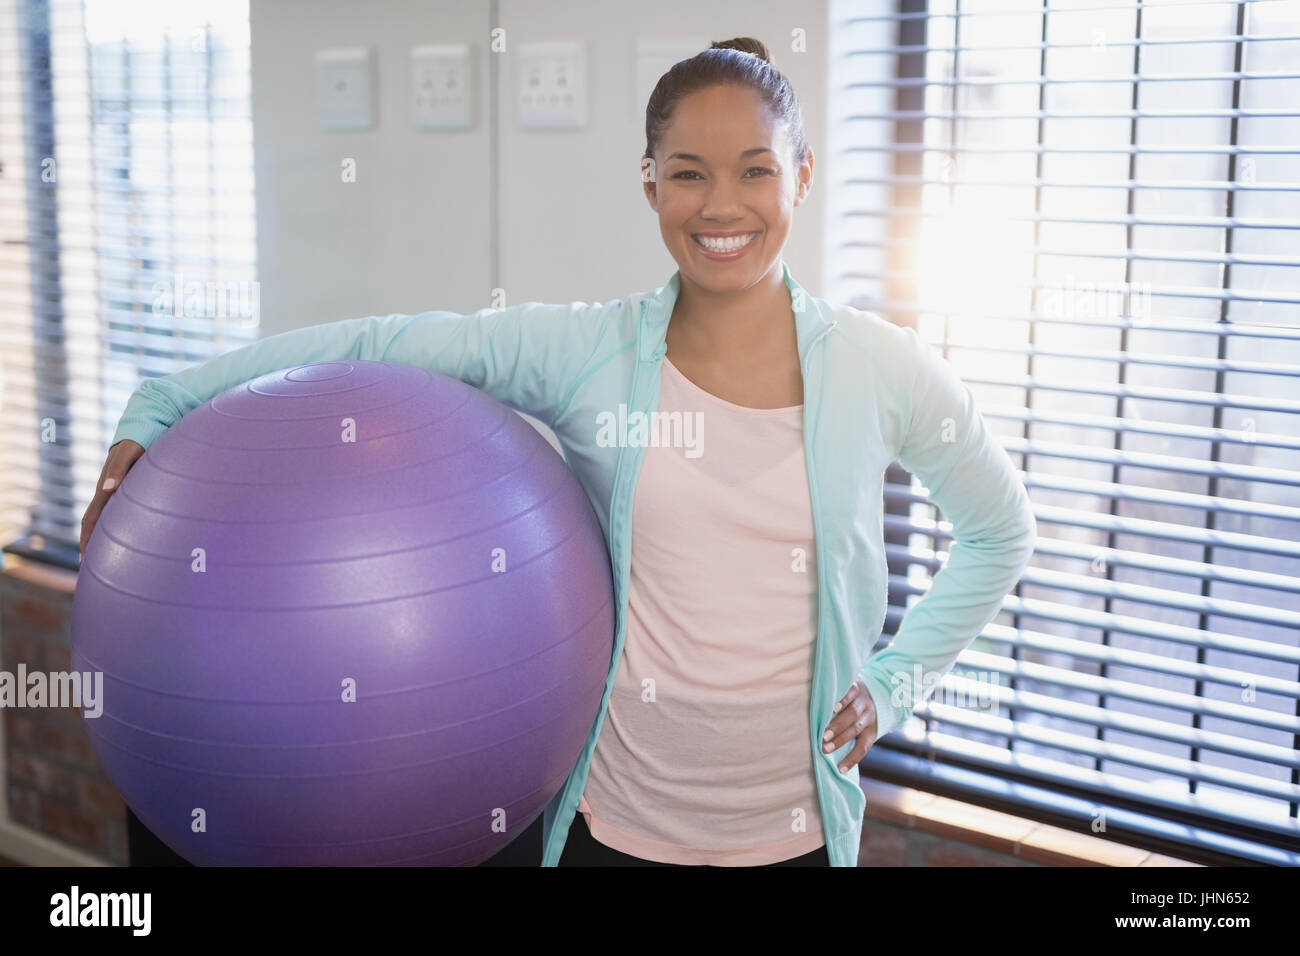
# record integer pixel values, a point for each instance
(725, 165)
(749, 573)
(728, 163)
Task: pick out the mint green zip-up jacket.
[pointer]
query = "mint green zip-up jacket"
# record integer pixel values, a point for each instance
(873, 392)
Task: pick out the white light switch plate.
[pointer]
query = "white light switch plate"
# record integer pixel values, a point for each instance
(551, 85)
(345, 88)
(442, 86)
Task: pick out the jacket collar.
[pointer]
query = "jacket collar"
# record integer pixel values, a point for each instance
(810, 316)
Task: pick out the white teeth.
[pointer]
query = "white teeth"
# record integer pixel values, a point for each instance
(725, 245)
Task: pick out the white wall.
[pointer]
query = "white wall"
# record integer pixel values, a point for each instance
(415, 232)
(412, 232)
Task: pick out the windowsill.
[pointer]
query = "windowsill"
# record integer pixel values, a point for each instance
(979, 826)
(39, 573)
(36, 547)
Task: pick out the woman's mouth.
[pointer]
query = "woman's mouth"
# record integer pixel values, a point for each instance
(724, 247)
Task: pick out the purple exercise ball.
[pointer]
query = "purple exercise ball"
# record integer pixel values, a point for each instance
(333, 531)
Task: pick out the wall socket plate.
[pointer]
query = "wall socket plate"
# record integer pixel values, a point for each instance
(551, 85)
(345, 88)
(442, 86)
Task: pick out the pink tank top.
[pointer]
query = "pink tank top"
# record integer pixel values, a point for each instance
(704, 757)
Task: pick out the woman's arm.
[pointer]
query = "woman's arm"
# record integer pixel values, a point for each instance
(971, 478)
(526, 356)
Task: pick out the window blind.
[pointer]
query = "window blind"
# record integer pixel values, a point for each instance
(1093, 211)
(127, 219)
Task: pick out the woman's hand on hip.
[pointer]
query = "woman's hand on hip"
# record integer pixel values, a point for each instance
(855, 717)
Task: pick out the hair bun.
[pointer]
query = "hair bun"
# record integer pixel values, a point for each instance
(744, 45)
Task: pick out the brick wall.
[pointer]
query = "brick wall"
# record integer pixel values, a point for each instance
(53, 780)
(887, 844)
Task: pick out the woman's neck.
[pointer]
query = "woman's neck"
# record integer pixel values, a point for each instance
(752, 325)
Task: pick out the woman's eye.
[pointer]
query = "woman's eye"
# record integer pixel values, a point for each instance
(690, 172)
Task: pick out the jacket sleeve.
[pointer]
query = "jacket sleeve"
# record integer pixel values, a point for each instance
(970, 477)
(526, 356)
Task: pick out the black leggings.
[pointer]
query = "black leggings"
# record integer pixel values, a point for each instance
(582, 849)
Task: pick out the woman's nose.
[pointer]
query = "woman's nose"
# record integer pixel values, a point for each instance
(720, 201)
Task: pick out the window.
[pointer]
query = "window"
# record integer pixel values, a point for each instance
(127, 225)
(1093, 210)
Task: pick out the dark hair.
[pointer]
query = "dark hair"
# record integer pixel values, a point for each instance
(743, 61)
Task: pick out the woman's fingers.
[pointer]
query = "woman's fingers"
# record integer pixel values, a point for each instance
(841, 728)
(120, 459)
(853, 692)
(91, 517)
(857, 753)
(850, 723)
(855, 718)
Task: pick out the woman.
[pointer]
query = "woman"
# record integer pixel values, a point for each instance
(748, 559)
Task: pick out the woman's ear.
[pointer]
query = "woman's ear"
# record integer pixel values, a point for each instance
(648, 181)
(804, 179)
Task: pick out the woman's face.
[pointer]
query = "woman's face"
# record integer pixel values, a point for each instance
(723, 171)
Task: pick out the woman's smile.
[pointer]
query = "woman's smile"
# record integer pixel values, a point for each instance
(723, 246)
